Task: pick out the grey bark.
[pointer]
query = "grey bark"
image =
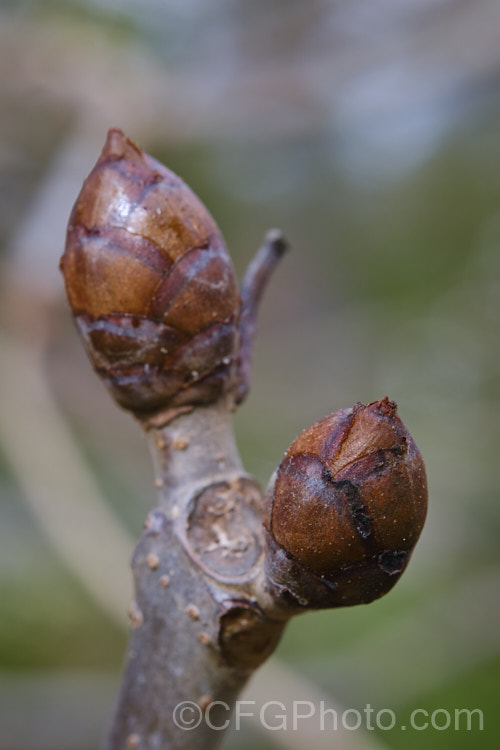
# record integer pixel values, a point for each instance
(202, 619)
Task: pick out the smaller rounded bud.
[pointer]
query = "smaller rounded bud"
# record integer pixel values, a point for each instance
(151, 284)
(349, 503)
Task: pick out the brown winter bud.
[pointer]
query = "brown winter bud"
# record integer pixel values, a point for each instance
(350, 500)
(150, 284)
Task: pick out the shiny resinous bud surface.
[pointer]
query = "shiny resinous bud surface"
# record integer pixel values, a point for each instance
(350, 501)
(150, 283)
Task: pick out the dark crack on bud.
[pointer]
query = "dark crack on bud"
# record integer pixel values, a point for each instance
(361, 518)
(393, 561)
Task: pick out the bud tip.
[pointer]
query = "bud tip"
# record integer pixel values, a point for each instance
(118, 146)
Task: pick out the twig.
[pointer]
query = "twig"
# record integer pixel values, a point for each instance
(257, 277)
(202, 620)
(162, 323)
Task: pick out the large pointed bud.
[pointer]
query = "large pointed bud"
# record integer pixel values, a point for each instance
(150, 284)
(349, 503)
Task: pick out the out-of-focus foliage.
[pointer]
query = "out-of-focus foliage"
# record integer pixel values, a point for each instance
(368, 132)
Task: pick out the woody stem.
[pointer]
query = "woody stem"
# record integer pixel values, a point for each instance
(254, 282)
(198, 622)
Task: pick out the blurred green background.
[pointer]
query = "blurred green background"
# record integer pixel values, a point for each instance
(367, 131)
